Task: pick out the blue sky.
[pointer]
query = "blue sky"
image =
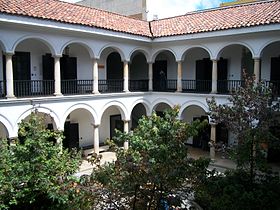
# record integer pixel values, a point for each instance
(170, 8)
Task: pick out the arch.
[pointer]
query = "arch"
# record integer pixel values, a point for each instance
(80, 106)
(115, 48)
(157, 52)
(145, 103)
(82, 43)
(161, 100)
(8, 125)
(120, 106)
(266, 45)
(193, 103)
(2, 45)
(42, 110)
(140, 50)
(220, 50)
(47, 43)
(185, 51)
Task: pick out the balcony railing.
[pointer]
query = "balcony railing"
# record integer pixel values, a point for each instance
(29, 88)
(25, 88)
(138, 85)
(2, 89)
(196, 86)
(72, 87)
(228, 86)
(110, 86)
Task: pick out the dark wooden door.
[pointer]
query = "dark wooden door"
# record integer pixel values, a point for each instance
(48, 67)
(159, 75)
(222, 76)
(114, 66)
(203, 75)
(71, 133)
(68, 68)
(21, 73)
(202, 139)
(275, 69)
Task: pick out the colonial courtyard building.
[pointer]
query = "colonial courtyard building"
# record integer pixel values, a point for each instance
(90, 71)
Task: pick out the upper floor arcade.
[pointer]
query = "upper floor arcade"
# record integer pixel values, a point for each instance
(39, 65)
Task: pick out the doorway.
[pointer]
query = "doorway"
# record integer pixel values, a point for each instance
(203, 75)
(116, 123)
(71, 133)
(160, 75)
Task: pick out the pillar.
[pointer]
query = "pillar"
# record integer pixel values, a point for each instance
(179, 76)
(150, 76)
(96, 138)
(9, 76)
(125, 76)
(95, 77)
(126, 129)
(214, 76)
(257, 69)
(212, 142)
(57, 77)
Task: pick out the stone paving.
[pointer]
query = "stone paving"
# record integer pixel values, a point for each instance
(220, 164)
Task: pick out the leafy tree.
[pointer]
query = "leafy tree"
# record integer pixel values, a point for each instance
(155, 165)
(249, 116)
(35, 173)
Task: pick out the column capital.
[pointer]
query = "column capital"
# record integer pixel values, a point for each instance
(95, 125)
(179, 61)
(214, 60)
(9, 53)
(256, 58)
(57, 56)
(150, 62)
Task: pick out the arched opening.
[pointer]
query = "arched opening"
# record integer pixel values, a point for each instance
(3, 131)
(114, 67)
(138, 112)
(165, 72)
(31, 75)
(190, 114)
(196, 71)
(47, 120)
(233, 60)
(76, 70)
(78, 129)
(139, 73)
(160, 108)
(110, 122)
(270, 62)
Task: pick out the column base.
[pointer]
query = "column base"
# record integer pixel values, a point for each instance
(57, 94)
(95, 92)
(10, 96)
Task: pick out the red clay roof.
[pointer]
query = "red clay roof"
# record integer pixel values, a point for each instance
(75, 14)
(247, 15)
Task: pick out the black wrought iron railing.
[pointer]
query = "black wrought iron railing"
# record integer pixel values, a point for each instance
(25, 88)
(168, 85)
(228, 86)
(110, 86)
(196, 86)
(138, 85)
(2, 89)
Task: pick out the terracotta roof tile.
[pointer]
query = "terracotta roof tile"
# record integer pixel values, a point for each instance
(75, 14)
(247, 15)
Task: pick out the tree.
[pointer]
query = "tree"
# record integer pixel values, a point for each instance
(155, 165)
(249, 116)
(36, 173)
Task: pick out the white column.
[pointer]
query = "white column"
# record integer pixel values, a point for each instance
(96, 138)
(179, 76)
(257, 69)
(125, 76)
(9, 76)
(95, 77)
(126, 129)
(57, 77)
(150, 76)
(214, 76)
(212, 142)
